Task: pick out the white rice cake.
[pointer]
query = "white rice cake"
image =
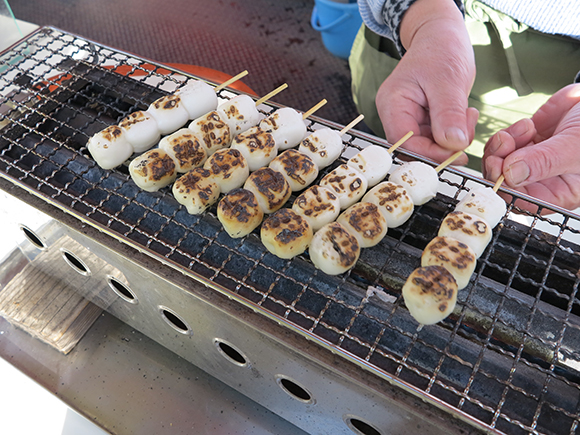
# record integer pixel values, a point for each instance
(287, 127)
(467, 228)
(453, 255)
(348, 184)
(485, 203)
(297, 168)
(185, 149)
(374, 162)
(319, 205)
(364, 221)
(196, 190)
(430, 294)
(419, 179)
(324, 146)
(169, 113)
(110, 147)
(257, 146)
(286, 234)
(333, 249)
(153, 170)
(141, 130)
(393, 202)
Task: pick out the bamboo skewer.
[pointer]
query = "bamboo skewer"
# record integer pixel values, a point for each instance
(230, 81)
(351, 124)
(271, 94)
(400, 142)
(498, 183)
(448, 161)
(314, 109)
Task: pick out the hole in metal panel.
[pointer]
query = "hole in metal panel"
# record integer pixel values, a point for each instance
(33, 238)
(229, 352)
(75, 262)
(176, 322)
(294, 390)
(122, 290)
(360, 427)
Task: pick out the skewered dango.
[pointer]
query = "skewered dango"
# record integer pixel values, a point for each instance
(419, 179)
(364, 221)
(430, 294)
(297, 168)
(393, 202)
(169, 112)
(286, 126)
(324, 146)
(239, 213)
(197, 98)
(348, 184)
(319, 205)
(153, 170)
(140, 130)
(229, 169)
(286, 234)
(185, 149)
(270, 187)
(240, 113)
(467, 228)
(110, 147)
(373, 162)
(333, 249)
(455, 256)
(212, 130)
(485, 203)
(257, 146)
(196, 190)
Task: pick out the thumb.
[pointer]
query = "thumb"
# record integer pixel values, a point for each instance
(449, 119)
(550, 158)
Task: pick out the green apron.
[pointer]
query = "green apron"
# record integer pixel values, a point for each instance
(518, 69)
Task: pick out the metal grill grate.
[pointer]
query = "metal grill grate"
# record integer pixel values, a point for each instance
(507, 359)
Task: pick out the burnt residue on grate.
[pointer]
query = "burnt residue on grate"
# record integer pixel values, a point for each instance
(508, 357)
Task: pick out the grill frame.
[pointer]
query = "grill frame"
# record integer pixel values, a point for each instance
(485, 306)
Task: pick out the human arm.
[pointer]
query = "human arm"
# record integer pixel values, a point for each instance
(541, 156)
(427, 92)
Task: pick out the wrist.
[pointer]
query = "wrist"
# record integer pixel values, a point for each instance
(422, 12)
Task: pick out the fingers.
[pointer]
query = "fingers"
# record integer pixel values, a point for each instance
(401, 106)
(402, 112)
(472, 117)
(546, 118)
(508, 140)
(503, 143)
(425, 146)
(555, 156)
(450, 120)
(563, 191)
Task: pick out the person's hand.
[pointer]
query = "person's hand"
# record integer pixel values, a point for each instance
(541, 156)
(428, 90)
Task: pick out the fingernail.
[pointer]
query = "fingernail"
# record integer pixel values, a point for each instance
(455, 135)
(518, 172)
(519, 128)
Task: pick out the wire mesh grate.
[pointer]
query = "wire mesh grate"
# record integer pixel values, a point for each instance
(507, 359)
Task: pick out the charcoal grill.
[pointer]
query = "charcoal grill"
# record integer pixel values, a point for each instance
(332, 354)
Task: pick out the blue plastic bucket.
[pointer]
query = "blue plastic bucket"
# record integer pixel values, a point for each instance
(338, 23)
